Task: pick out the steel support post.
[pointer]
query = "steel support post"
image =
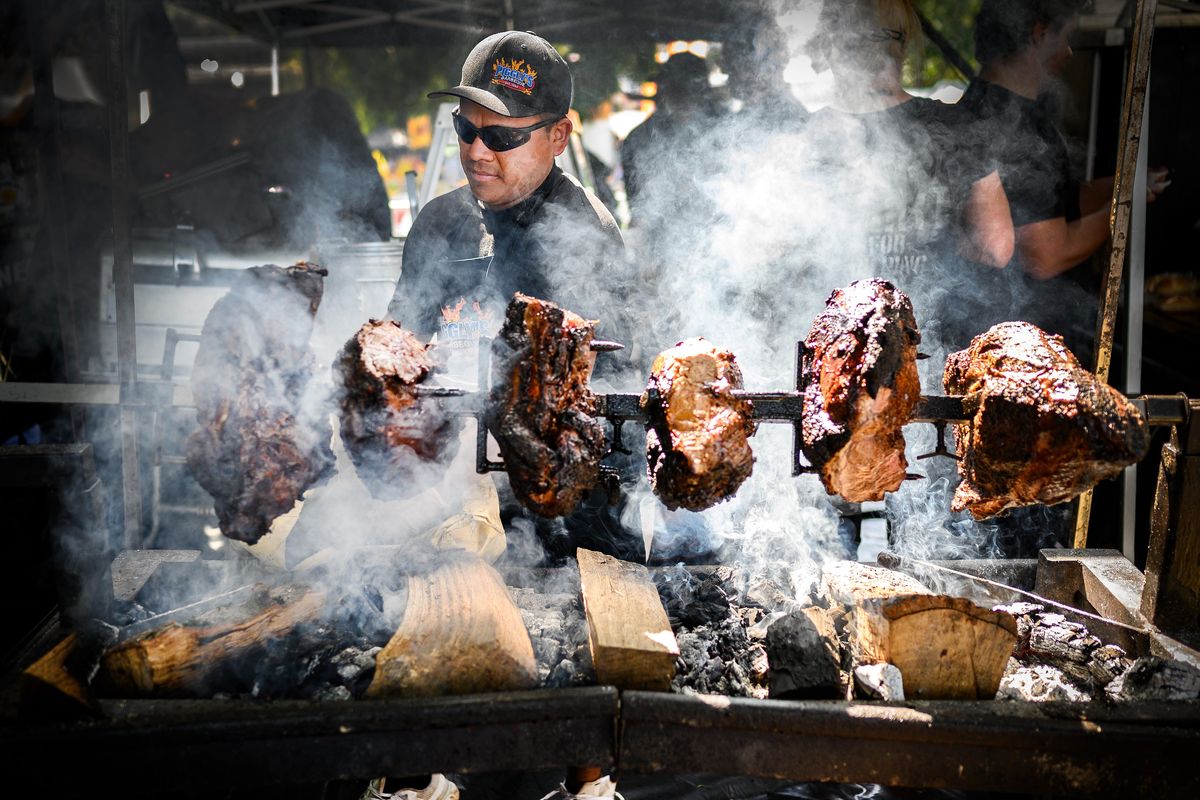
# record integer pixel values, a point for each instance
(115, 14)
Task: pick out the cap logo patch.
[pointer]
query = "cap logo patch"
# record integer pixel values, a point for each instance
(514, 74)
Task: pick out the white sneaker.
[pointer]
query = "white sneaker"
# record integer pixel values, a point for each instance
(440, 788)
(601, 787)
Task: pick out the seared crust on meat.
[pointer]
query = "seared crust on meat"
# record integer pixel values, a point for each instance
(1042, 428)
(697, 432)
(861, 385)
(542, 412)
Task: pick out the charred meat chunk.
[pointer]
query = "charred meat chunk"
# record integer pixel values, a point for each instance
(258, 448)
(697, 431)
(392, 434)
(542, 412)
(1042, 428)
(860, 387)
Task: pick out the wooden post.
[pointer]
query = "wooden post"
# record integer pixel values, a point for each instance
(1132, 109)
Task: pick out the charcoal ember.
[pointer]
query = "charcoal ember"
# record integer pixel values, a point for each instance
(697, 431)
(1153, 678)
(393, 435)
(805, 657)
(542, 412)
(717, 654)
(1048, 638)
(692, 600)
(565, 673)
(1042, 428)
(720, 659)
(1037, 683)
(354, 662)
(258, 447)
(558, 631)
(330, 693)
(860, 388)
(1066, 645)
(293, 665)
(1108, 662)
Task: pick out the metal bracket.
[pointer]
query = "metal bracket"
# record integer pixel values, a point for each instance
(940, 448)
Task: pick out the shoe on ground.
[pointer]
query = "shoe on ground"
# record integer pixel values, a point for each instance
(604, 786)
(440, 788)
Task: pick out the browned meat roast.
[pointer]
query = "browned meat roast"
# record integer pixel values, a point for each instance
(542, 412)
(861, 385)
(1042, 428)
(258, 449)
(391, 434)
(697, 432)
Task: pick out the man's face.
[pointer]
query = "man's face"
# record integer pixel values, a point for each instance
(500, 180)
(1054, 47)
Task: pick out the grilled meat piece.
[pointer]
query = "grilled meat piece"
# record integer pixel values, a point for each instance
(542, 411)
(391, 434)
(697, 431)
(861, 385)
(257, 450)
(1043, 429)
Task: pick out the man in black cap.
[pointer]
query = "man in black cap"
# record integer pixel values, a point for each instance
(520, 224)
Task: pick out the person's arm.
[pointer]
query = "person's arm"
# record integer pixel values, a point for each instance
(1095, 195)
(1050, 247)
(987, 228)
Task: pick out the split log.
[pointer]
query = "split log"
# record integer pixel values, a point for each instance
(178, 660)
(948, 647)
(50, 689)
(630, 636)
(461, 633)
(945, 647)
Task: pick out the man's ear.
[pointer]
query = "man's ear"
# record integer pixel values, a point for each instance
(1038, 33)
(560, 134)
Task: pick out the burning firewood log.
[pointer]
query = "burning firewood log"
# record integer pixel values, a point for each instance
(392, 434)
(945, 647)
(861, 385)
(697, 432)
(461, 633)
(257, 450)
(1042, 428)
(543, 413)
(181, 659)
(630, 635)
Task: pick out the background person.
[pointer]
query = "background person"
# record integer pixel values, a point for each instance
(1022, 46)
(911, 200)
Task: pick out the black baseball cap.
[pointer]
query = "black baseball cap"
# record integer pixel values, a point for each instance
(517, 74)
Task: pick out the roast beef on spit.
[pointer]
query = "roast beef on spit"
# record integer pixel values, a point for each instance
(390, 431)
(542, 412)
(1041, 429)
(860, 388)
(697, 429)
(258, 447)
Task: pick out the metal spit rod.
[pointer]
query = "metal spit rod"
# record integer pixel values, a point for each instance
(781, 407)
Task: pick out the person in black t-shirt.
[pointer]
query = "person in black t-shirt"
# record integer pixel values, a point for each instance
(907, 199)
(650, 157)
(1022, 45)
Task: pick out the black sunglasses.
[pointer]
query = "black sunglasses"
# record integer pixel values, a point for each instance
(497, 138)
